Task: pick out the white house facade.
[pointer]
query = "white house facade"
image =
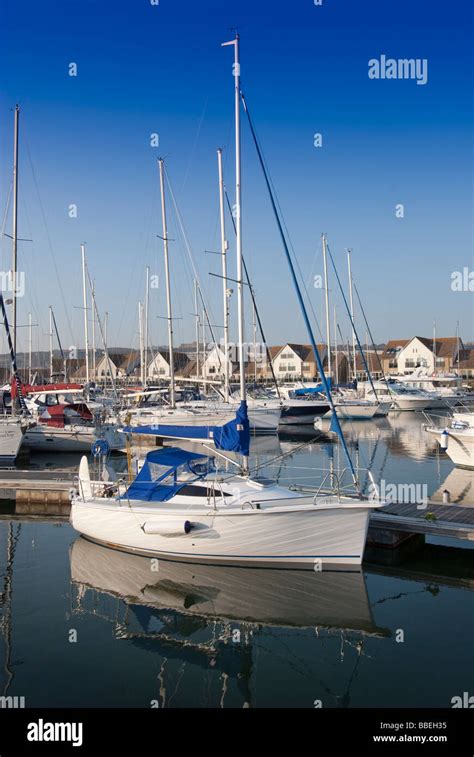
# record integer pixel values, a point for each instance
(216, 364)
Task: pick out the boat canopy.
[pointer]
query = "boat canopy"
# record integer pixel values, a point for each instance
(165, 472)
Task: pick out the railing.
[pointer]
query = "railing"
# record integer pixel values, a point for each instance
(102, 489)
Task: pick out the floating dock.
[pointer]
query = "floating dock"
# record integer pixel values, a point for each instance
(40, 493)
(456, 521)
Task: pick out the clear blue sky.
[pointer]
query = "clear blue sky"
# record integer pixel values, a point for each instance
(145, 69)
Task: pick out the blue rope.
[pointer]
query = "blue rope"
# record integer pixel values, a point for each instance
(335, 419)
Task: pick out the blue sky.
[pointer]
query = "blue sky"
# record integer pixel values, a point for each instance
(144, 69)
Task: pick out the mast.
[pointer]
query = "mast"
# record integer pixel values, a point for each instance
(15, 220)
(168, 288)
(84, 297)
(224, 248)
(336, 366)
(30, 342)
(93, 335)
(203, 337)
(147, 314)
(434, 346)
(238, 225)
(457, 344)
(326, 292)
(352, 312)
(254, 324)
(51, 344)
(196, 308)
(140, 331)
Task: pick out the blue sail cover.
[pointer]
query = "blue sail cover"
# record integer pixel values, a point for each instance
(233, 436)
(319, 389)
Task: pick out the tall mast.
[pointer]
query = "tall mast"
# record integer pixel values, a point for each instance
(434, 346)
(224, 248)
(336, 366)
(352, 312)
(15, 219)
(457, 344)
(30, 342)
(238, 229)
(84, 297)
(203, 338)
(326, 291)
(168, 287)
(147, 315)
(93, 335)
(50, 343)
(196, 308)
(140, 331)
(254, 326)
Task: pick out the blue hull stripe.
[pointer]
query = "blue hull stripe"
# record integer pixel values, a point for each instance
(257, 557)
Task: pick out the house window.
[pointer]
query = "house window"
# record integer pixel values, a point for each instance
(212, 369)
(286, 355)
(282, 368)
(291, 368)
(162, 371)
(306, 366)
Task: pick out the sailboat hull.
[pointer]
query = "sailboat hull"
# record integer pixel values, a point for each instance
(304, 537)
(69, 439)
(11, 437)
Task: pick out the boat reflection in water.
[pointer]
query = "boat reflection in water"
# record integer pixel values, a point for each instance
(209, 616)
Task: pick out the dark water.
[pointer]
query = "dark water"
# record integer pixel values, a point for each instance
(81, 625)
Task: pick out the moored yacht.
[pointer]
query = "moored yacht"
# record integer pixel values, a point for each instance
(179, 508)
(399, 396)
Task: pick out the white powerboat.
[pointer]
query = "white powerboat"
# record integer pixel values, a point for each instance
(457, 440)
(401, 398)
(357, 409)
(445, 389)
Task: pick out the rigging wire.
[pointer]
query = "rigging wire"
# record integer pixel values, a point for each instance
(48, 237)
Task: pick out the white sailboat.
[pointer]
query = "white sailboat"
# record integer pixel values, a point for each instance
(180, 508)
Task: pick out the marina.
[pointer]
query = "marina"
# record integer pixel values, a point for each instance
(236, 373)
(306, 632)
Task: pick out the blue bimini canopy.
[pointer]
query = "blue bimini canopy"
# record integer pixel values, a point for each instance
(233, 436)
(159, 478)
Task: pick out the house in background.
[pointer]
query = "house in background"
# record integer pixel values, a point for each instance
(433, 355)
(389, 356)
(216, 363)
(465, 367)
(107, 366)
(159, 367)
(293, 362)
